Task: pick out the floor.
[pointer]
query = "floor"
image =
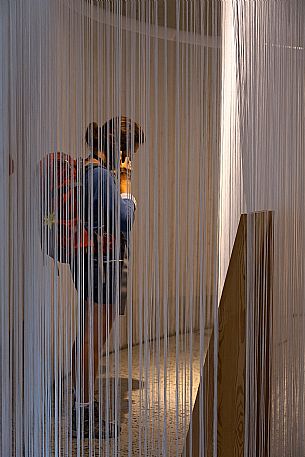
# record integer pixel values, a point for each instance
(152, 401)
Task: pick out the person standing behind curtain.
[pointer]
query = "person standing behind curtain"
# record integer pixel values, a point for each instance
(109, 209)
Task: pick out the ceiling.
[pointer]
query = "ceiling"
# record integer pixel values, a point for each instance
(198, 16)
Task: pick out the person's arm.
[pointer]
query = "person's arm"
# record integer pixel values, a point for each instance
(125, 181)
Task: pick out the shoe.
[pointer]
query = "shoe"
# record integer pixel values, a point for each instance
(99, 429)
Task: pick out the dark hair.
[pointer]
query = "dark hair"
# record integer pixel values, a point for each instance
(93, 137)
(117, 134)
(122, 129)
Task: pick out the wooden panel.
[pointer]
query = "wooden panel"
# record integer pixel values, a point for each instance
(259, 314)
(247, 293)
(231, 352)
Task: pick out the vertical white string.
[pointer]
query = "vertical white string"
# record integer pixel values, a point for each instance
(71, 63)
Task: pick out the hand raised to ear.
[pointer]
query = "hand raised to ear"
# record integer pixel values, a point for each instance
(125, 176)
(126, 166)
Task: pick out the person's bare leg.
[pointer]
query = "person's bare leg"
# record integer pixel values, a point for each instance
(99, 321)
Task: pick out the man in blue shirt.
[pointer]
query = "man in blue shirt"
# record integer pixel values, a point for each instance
(108, 214)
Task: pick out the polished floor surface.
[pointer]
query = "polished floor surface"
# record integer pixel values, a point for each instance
(153, 408)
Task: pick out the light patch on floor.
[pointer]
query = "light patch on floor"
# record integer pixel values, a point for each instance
(151, 400)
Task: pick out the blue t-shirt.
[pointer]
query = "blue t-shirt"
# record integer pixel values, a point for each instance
(105, 210)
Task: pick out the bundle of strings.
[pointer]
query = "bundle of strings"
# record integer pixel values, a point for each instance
(262, 168)
(112, 270)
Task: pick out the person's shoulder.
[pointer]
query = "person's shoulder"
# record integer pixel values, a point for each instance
(95, 170)
(99, 172)
(105, 173)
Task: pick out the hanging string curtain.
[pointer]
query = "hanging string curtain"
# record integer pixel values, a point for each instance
(216, 89)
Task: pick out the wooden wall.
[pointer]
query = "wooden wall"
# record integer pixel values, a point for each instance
(243, 354)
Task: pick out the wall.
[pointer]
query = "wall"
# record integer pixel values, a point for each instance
(267, 65)
(173, 92)
(67, 69)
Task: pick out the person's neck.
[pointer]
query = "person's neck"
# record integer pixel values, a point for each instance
(93, 160)
(97, 158)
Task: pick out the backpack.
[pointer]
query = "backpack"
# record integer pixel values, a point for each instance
(62, 229)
